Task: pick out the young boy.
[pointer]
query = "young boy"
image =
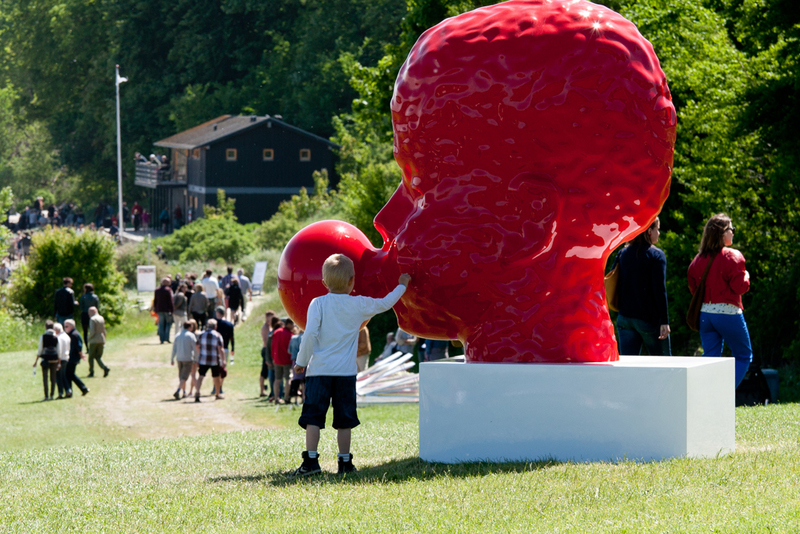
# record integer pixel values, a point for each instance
(328, 349)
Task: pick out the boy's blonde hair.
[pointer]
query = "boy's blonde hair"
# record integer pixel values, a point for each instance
(337, 271)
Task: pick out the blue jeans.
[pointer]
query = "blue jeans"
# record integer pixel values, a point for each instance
(716, 329)
(163, 326)
(635, 333)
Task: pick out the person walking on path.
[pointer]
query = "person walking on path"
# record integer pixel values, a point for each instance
(184, 351)
(87, 300)
(235, 300)
(225, 282)
(162, 305)
(180, 306)
(210, 287)
(225, 329)
(63, 356)
(722, 312)
(48, 352)
(210, 357)
(75, 357)
(643, 319)
(247, 292)
(65, 301)
(96, 342)
(198, 305)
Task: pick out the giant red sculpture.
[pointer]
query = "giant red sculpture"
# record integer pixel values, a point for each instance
(534, 137)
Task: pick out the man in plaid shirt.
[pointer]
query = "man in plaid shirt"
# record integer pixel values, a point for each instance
(211, 356)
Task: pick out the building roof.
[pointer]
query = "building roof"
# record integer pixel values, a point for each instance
(225, 126)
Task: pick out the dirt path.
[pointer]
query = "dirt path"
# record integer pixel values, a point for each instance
(137, 396)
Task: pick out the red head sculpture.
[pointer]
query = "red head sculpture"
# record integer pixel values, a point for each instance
(534, 137)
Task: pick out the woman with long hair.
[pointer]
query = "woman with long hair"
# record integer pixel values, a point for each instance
(721, 316)
(643, 319)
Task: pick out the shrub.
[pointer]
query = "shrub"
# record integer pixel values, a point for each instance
(85, 257)
(208, 239)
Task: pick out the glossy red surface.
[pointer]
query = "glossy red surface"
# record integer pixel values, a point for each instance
(534, 137)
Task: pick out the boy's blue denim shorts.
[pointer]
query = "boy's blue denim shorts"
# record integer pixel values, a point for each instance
(321, 391)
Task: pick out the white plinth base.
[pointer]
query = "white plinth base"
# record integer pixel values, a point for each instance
(640, 408)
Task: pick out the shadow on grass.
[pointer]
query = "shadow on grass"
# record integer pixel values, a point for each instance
(410, 469)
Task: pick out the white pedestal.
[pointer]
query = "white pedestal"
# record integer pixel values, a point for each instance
(640, 408)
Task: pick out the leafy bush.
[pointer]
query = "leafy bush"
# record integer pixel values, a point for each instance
(208, 239)
(84, 257)
(215, 237)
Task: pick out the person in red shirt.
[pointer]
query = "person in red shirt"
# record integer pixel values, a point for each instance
(281, 357)
(721, 316)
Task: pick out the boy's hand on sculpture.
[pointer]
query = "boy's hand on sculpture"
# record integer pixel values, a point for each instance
(404, 279)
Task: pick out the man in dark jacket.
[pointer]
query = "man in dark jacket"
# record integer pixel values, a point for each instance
(162, 305)
(225, 329)
(75, 357)
(65, 302)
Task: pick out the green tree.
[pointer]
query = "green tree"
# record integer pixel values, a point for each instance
(84, 257)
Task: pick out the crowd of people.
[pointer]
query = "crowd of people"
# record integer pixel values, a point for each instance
(61, 347)
(205, 314)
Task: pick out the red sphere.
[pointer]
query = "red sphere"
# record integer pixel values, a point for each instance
(300, 266)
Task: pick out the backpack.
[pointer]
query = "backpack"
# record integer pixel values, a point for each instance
(49, 346)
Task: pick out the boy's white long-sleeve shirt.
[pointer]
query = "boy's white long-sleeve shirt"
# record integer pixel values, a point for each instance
(330, 341)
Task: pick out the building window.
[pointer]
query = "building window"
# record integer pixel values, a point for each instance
(230, 154)
(268, 154)
(305, 154)
(196, 153)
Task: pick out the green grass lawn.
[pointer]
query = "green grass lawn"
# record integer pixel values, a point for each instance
(128, 458)
(234, 482)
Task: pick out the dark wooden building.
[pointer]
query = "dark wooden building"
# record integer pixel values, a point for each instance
(259, 161)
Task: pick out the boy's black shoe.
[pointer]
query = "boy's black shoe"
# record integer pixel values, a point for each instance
(347, 467)
(310, 466)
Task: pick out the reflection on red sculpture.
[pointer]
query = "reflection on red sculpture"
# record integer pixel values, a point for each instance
(534, 137)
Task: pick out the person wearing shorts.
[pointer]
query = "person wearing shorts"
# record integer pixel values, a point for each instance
(210, 356)
(328, 349)
(184, 351)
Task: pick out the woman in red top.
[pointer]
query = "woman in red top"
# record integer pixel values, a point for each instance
(721, 317)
